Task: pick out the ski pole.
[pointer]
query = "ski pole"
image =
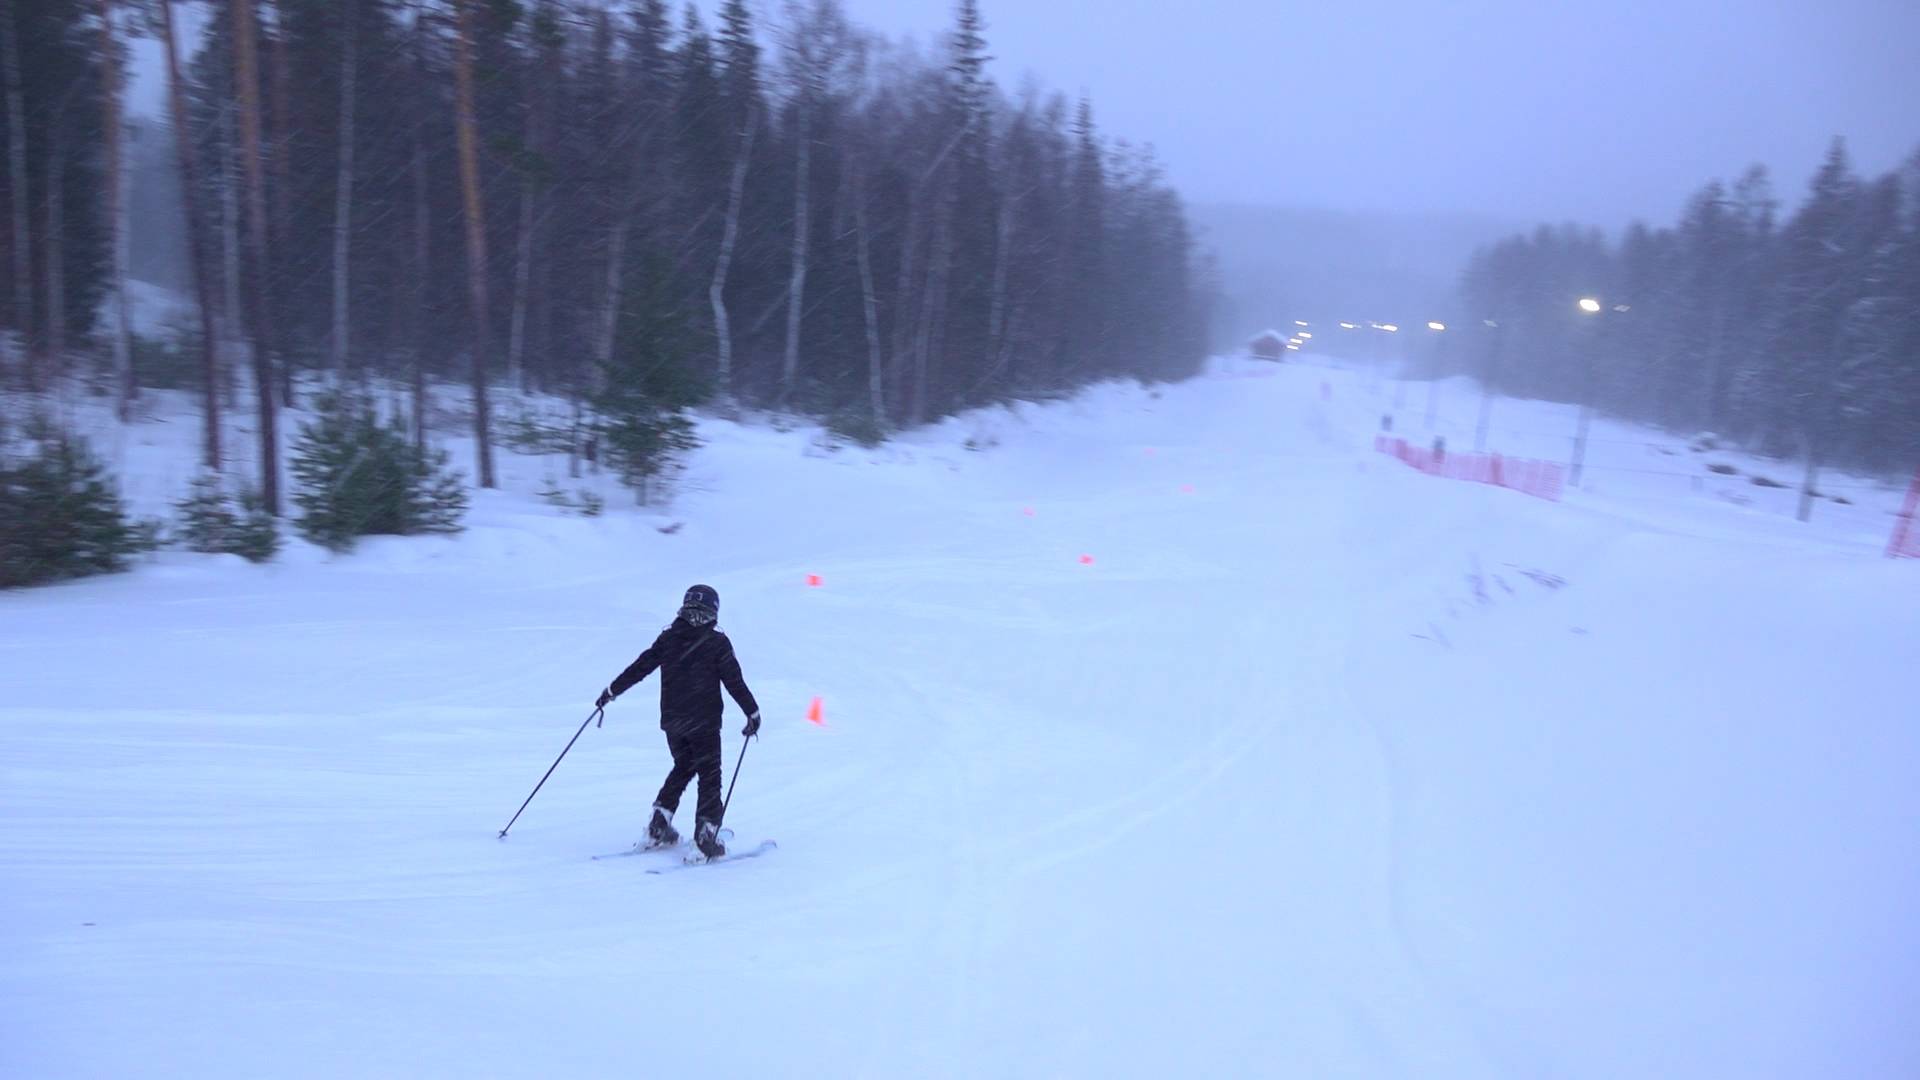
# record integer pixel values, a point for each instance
(736, 778)
(555, 765)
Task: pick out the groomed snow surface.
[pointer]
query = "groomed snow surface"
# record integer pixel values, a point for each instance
(1320, 767)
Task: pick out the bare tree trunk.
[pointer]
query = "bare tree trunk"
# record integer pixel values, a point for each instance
(540, 311)
(230, 242)
(476, 230)
(22, 204)
(522, 290)
(717, 292)
(876, 387)
(423, 270)
(607, 319)
(796, 289)
(196, 239)
(343, 192)
(56, 240)
(904, 296)
(609, 313)
(523, 244)
(272, 281)
(247, 72)
(1003, 241)
(116, 194)
(932, 309)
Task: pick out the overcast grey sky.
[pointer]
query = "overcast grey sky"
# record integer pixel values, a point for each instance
(1600, 111)
(1519, 109)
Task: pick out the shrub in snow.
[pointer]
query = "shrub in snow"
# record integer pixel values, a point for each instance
(1766, 482)
(583, 502)
(643, 446)
(857, 426)
(649, 382)
(167, 363)
(60, 513)
(357, 476)
(531, 433)
(213, 521)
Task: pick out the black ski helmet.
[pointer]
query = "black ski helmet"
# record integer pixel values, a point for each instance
(703, 597)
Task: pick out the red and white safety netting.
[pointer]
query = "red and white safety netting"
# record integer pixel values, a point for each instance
(1544, 479)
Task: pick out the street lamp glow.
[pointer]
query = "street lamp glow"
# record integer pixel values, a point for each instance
(1293, 346)
(1347, 326)
(1589, 305)
(1436, 326)
(1304, 334)
(1389, 328)
(1301, 322)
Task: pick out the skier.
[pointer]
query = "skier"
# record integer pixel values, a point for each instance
(694, 659)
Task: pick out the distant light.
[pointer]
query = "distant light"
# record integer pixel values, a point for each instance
(1389, 328)
(1304, 334)
(1301, 322)
(1589, 305)
(1293, 347)
(1348, 326)
(1436, 326)
(1623, 307)
(1491, 323)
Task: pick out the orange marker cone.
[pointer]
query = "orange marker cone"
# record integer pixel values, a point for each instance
(817, 713)
(1027, 510)
(813, 580)
(1086, 560)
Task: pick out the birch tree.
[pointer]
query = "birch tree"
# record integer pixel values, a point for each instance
(196, 240)
(114, 137)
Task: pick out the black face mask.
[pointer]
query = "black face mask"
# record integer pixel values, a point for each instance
(694, 615)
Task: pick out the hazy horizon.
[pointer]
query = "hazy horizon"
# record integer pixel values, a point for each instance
(1504, 109)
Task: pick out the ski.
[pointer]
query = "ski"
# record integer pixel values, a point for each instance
(646, 848)
(637, 849)
(731, 856)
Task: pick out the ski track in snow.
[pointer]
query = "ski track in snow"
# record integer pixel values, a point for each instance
(1311, 772)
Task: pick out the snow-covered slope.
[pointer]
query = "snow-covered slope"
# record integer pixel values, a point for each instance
(1320, 767)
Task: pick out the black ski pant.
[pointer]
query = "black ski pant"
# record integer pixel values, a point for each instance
(694, 754)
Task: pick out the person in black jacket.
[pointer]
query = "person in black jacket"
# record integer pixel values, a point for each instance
(694, 660)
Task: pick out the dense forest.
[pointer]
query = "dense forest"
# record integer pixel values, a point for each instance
(638, 207)
(1798, 337)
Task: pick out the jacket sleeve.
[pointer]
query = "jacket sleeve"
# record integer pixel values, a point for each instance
(642, 667)
(735, 682)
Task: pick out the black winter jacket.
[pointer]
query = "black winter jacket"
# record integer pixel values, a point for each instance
(694, 662)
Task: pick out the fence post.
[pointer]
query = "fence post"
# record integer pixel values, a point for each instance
(1905, 543)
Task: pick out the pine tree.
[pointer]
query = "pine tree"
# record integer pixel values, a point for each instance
(60, 513)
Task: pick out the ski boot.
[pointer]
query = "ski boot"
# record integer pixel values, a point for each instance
(660, 831)
(707, 842)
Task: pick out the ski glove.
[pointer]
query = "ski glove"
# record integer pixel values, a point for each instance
(753, 726)
(605, 699)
